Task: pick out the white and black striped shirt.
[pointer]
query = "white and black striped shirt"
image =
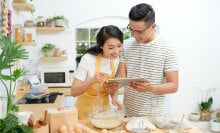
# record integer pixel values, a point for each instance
(149, 61)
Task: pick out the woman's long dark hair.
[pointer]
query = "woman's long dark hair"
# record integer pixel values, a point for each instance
(106, 32)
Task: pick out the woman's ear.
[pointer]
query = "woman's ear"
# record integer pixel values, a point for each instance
(154, 25)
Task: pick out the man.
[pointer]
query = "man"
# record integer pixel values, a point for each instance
(149, 56)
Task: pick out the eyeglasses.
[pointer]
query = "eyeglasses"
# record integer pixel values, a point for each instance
(137, 31)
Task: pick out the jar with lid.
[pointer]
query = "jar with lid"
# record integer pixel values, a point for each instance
(49, 22)
(63, 53)
(57, 52)
(40, 21)
(29, 23)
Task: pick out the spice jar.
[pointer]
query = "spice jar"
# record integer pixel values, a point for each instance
(29, 23)
(40, 21)
(63, 53)
(57, 52)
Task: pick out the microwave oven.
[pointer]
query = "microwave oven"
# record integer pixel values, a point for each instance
(56, 77)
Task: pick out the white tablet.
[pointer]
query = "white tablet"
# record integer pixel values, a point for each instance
(125, 81)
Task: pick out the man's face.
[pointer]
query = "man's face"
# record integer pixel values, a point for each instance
(140, 31)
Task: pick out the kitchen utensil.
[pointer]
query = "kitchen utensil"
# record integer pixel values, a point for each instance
(107, 119)
(97, 108)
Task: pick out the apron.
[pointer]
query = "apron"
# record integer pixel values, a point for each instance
(85, 101)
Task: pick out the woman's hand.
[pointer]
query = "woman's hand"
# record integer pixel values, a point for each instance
(111, 87)
(117, 103)
(99, 77)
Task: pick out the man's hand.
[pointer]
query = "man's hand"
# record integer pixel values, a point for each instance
(141, 86)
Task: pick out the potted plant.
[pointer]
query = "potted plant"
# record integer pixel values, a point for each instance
(11, 52)
(206, 104)
(47, 49)
(60, 21)
(215, 123)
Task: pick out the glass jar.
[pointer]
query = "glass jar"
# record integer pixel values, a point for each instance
(63, 53)
(57, 52)
(40, 21)
(49, 22)
(29, 23)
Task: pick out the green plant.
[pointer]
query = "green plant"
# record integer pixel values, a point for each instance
(206, 105)
(47, 47)
(11, 52)
(58, 17)
(11, 125)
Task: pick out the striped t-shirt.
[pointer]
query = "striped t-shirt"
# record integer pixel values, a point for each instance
(149, 61)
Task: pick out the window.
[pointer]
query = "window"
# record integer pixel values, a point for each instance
(86, 38)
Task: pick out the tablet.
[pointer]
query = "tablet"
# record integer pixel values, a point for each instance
(125, 81)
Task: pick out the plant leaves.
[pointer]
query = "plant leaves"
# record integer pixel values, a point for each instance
(11, 125)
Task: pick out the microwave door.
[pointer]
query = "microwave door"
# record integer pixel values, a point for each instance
(54, 79)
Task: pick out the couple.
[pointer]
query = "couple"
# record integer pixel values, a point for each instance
(145, 55)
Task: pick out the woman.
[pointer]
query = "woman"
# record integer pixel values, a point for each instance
(98, 64)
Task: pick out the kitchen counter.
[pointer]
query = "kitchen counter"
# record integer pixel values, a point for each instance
(38, 109)
(194, 129)
(67, 91)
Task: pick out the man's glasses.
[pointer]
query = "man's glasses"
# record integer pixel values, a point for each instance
(137, 31)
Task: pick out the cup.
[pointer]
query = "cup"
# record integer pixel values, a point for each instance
(24, 116)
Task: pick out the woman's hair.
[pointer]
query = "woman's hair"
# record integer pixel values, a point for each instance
(106, 32)
(142, 12)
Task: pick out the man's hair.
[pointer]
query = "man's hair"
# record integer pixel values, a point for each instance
(142, 12)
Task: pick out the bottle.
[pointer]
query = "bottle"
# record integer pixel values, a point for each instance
(40, 21)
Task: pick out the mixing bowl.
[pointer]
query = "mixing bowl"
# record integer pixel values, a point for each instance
(107, 119)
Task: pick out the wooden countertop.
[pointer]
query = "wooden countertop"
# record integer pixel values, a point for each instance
(86, 122)
(67, 91)
(38, 110)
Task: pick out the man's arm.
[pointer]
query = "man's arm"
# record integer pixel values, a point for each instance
(170, 86)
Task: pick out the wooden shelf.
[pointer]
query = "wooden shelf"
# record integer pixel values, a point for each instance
(28, 43)
(22, 6)
(53, 58)
(50, 28)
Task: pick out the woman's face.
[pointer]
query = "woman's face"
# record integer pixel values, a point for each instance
(112, 48)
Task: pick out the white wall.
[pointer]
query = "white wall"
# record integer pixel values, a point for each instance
(190, 25)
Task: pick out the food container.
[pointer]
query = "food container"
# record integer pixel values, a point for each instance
(29, 23)
(108, 119)
(40, 21)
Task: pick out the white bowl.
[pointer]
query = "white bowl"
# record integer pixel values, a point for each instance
(194, 116)
(107, 120)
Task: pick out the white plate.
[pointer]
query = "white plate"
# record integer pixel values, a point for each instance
(138, 124)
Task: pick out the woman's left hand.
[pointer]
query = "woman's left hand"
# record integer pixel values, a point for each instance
(110, 87)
